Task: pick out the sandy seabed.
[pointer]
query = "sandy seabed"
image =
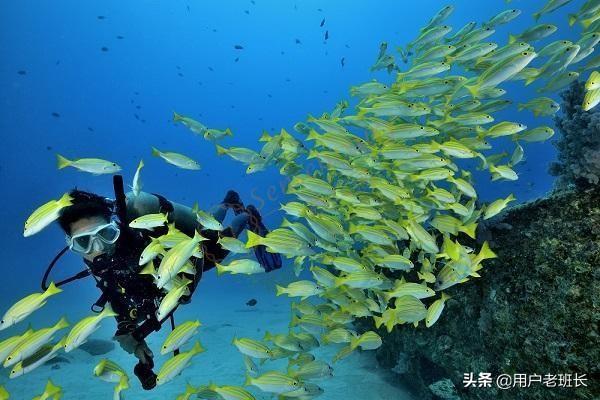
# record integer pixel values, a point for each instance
(220, 305)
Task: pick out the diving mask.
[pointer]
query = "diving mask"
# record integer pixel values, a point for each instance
(95, 239)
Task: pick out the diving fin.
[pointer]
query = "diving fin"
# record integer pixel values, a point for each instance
(269, 261)
(232, 200)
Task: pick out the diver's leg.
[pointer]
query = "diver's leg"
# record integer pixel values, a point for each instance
(239, 223)
(219, 211)
(268, 260)
(231, 200)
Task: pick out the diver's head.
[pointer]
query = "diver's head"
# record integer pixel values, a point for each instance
(89, 224)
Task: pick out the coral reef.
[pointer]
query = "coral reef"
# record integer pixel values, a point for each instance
(534, 310)
(579, 145)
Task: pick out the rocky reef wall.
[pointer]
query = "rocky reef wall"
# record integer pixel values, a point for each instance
(535, 310)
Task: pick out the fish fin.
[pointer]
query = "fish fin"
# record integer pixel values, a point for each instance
(108, 312)
(63, 323)
(469, 229)
(221, 150)
(486, 252)
(62, 162)
(253, 239)
(279, 290)
(52, 289)
(220, 269)
(197, 348)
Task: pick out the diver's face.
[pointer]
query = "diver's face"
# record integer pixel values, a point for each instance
(87, 225)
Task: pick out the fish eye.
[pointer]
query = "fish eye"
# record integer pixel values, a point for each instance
(514, 10)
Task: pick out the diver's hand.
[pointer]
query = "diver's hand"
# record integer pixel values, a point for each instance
(144, 354)
(127, 342)
(132, 346)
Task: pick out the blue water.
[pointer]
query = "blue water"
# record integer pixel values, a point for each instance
(180, 56)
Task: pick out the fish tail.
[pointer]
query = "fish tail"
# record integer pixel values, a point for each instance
(362, 111)
(248, 380)
(295, 321)
(221, 150)
(155, 152)
(265, 137)
(62, 162)
(312, 135)
(529, 81)
(66, 200)
(253, 240)
(354, 342)
(228, 132)
(52, 289)
(512, 39)
(124, 382)
(587, 22)
(51, 387)
(197, 348)
(470, 229)
(279, 290)
(220, 269)
(176, 117)
(63, 323)
(378, 321)
(572, 19)
(520, 107)
(473, 89)
(486, 252)
(100, 367)
(108, 312)
(536, 16)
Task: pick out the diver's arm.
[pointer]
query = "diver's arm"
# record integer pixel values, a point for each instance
(146, 203)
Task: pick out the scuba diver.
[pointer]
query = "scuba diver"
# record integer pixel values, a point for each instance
(98, 229)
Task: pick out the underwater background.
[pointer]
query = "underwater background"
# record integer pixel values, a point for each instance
(102, 79)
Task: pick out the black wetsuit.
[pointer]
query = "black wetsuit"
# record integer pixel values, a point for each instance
(134, 296)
